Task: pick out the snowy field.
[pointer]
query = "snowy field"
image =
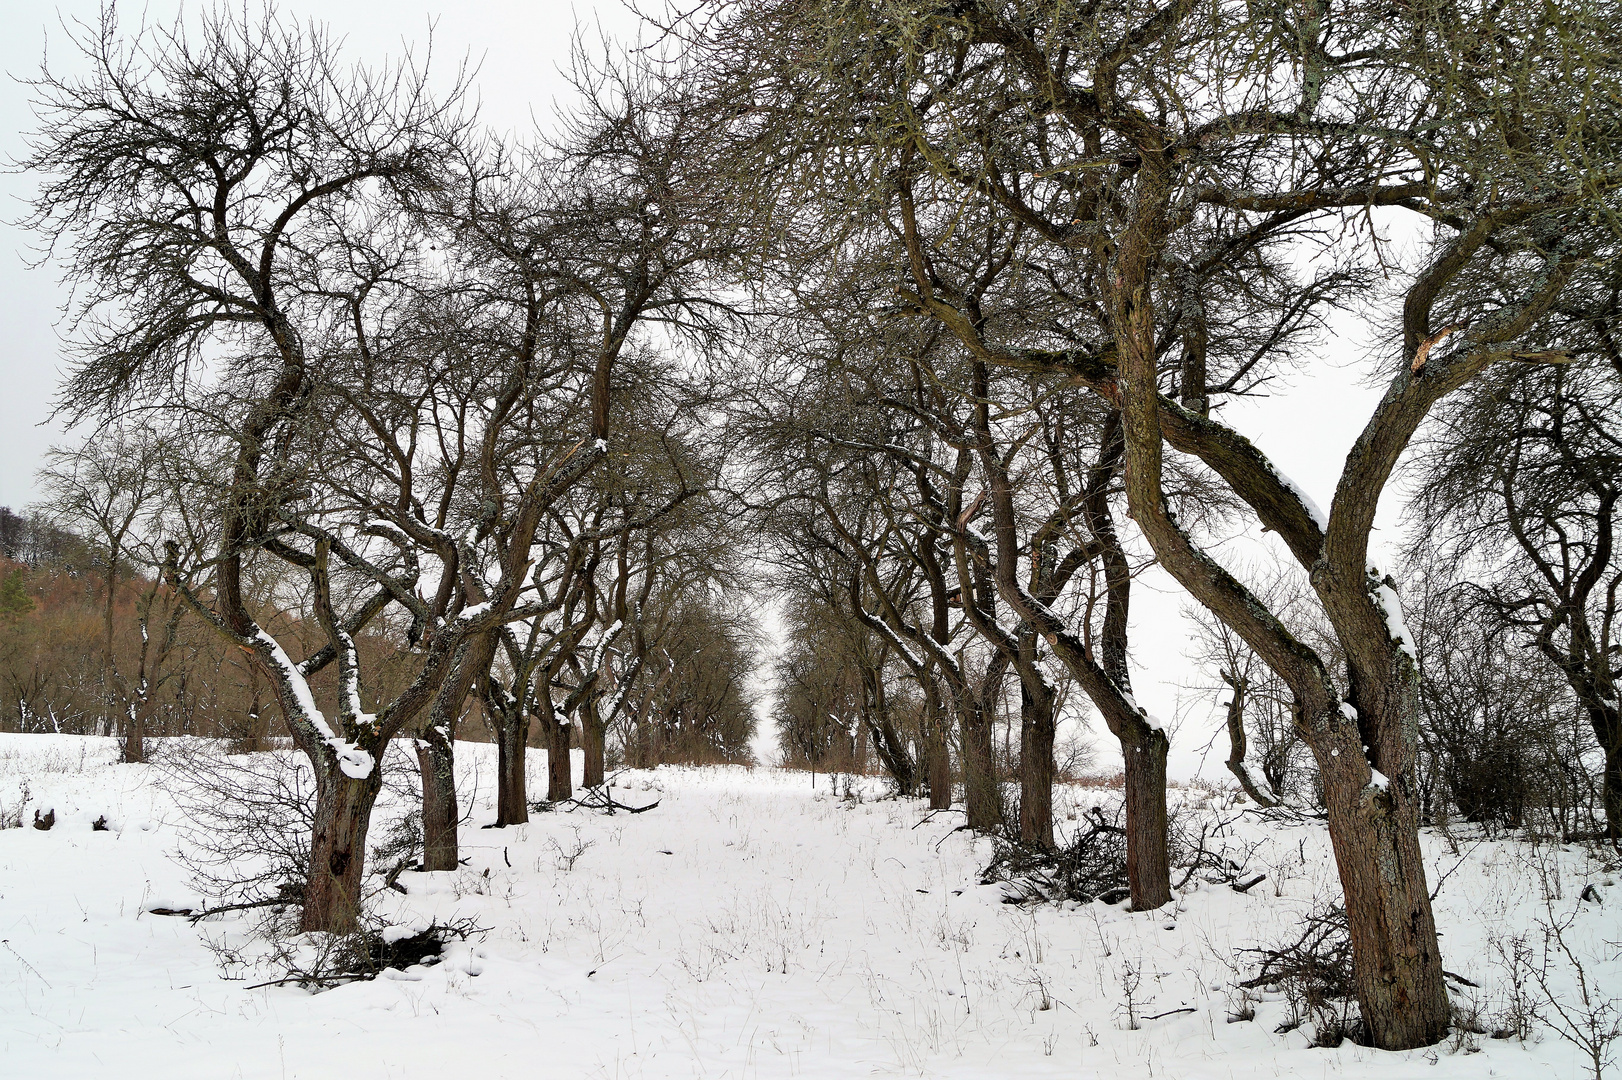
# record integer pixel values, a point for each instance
(751, 925)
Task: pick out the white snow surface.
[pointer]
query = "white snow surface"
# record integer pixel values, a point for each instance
(752, 925)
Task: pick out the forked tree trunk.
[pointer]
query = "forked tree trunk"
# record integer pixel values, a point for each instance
(1148, 868)
(437, 762)
(593, 741)
(512, 795)
(343, 811)
(1036, 731)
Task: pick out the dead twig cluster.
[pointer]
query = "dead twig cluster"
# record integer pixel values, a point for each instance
(1091, 866)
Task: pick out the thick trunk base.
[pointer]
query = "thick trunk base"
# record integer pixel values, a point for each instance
(135, 740)
(1395, 963)
(437, 762)
(593, 741)
(343, 813)
(981, 798)
(940, 768)
(1148, 866)
(1036, 772)
(559, 774)
(512, 794)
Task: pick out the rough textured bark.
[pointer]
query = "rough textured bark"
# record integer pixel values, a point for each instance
(512, 794)
(1036, 731)
(1373, 824)
(1374, 827)
(440, 814)
(593, 740)
(559, 773)
(981, 798)
(134, 746)
(1148, 867)
(938, 752)
(343, 812)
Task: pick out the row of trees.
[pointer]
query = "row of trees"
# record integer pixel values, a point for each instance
(947, 295)
(352, 358)
(1025, 254)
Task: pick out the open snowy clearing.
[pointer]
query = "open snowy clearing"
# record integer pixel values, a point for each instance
(750, 925)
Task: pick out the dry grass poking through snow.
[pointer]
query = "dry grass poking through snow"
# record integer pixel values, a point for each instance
(750, 926)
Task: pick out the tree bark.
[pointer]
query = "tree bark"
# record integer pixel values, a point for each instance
(1395, 963)
(512, 740)
(1036, 731)
(886, 739)
(1611, 788)
(135, 732)
(1148, 866)
(981, 798)
(940, 756)
(593, 740)
(559, 774)
(436, 760)
(343, 811)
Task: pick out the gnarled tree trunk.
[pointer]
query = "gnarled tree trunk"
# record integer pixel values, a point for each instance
(981, 798)
(1148, 866)
(1374, 828)
(343, 811)
(559, 773)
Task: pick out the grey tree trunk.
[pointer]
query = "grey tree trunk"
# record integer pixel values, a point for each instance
(1036, 765)
(437, 762)
(981, 798)
(343, 811)
(512, 795)
(559, 773)
(593, 740)
(1148, 866)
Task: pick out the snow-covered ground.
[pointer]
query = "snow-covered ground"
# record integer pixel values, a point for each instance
(750, 925)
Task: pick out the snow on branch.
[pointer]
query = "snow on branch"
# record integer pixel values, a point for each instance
(1385, 598)
(356, 763)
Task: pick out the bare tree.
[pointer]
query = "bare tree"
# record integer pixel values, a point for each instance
(1518, 488)
(200, 185)
(1157, 153)
(116, 489)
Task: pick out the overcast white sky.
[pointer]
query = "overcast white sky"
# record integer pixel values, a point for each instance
(519, 48)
